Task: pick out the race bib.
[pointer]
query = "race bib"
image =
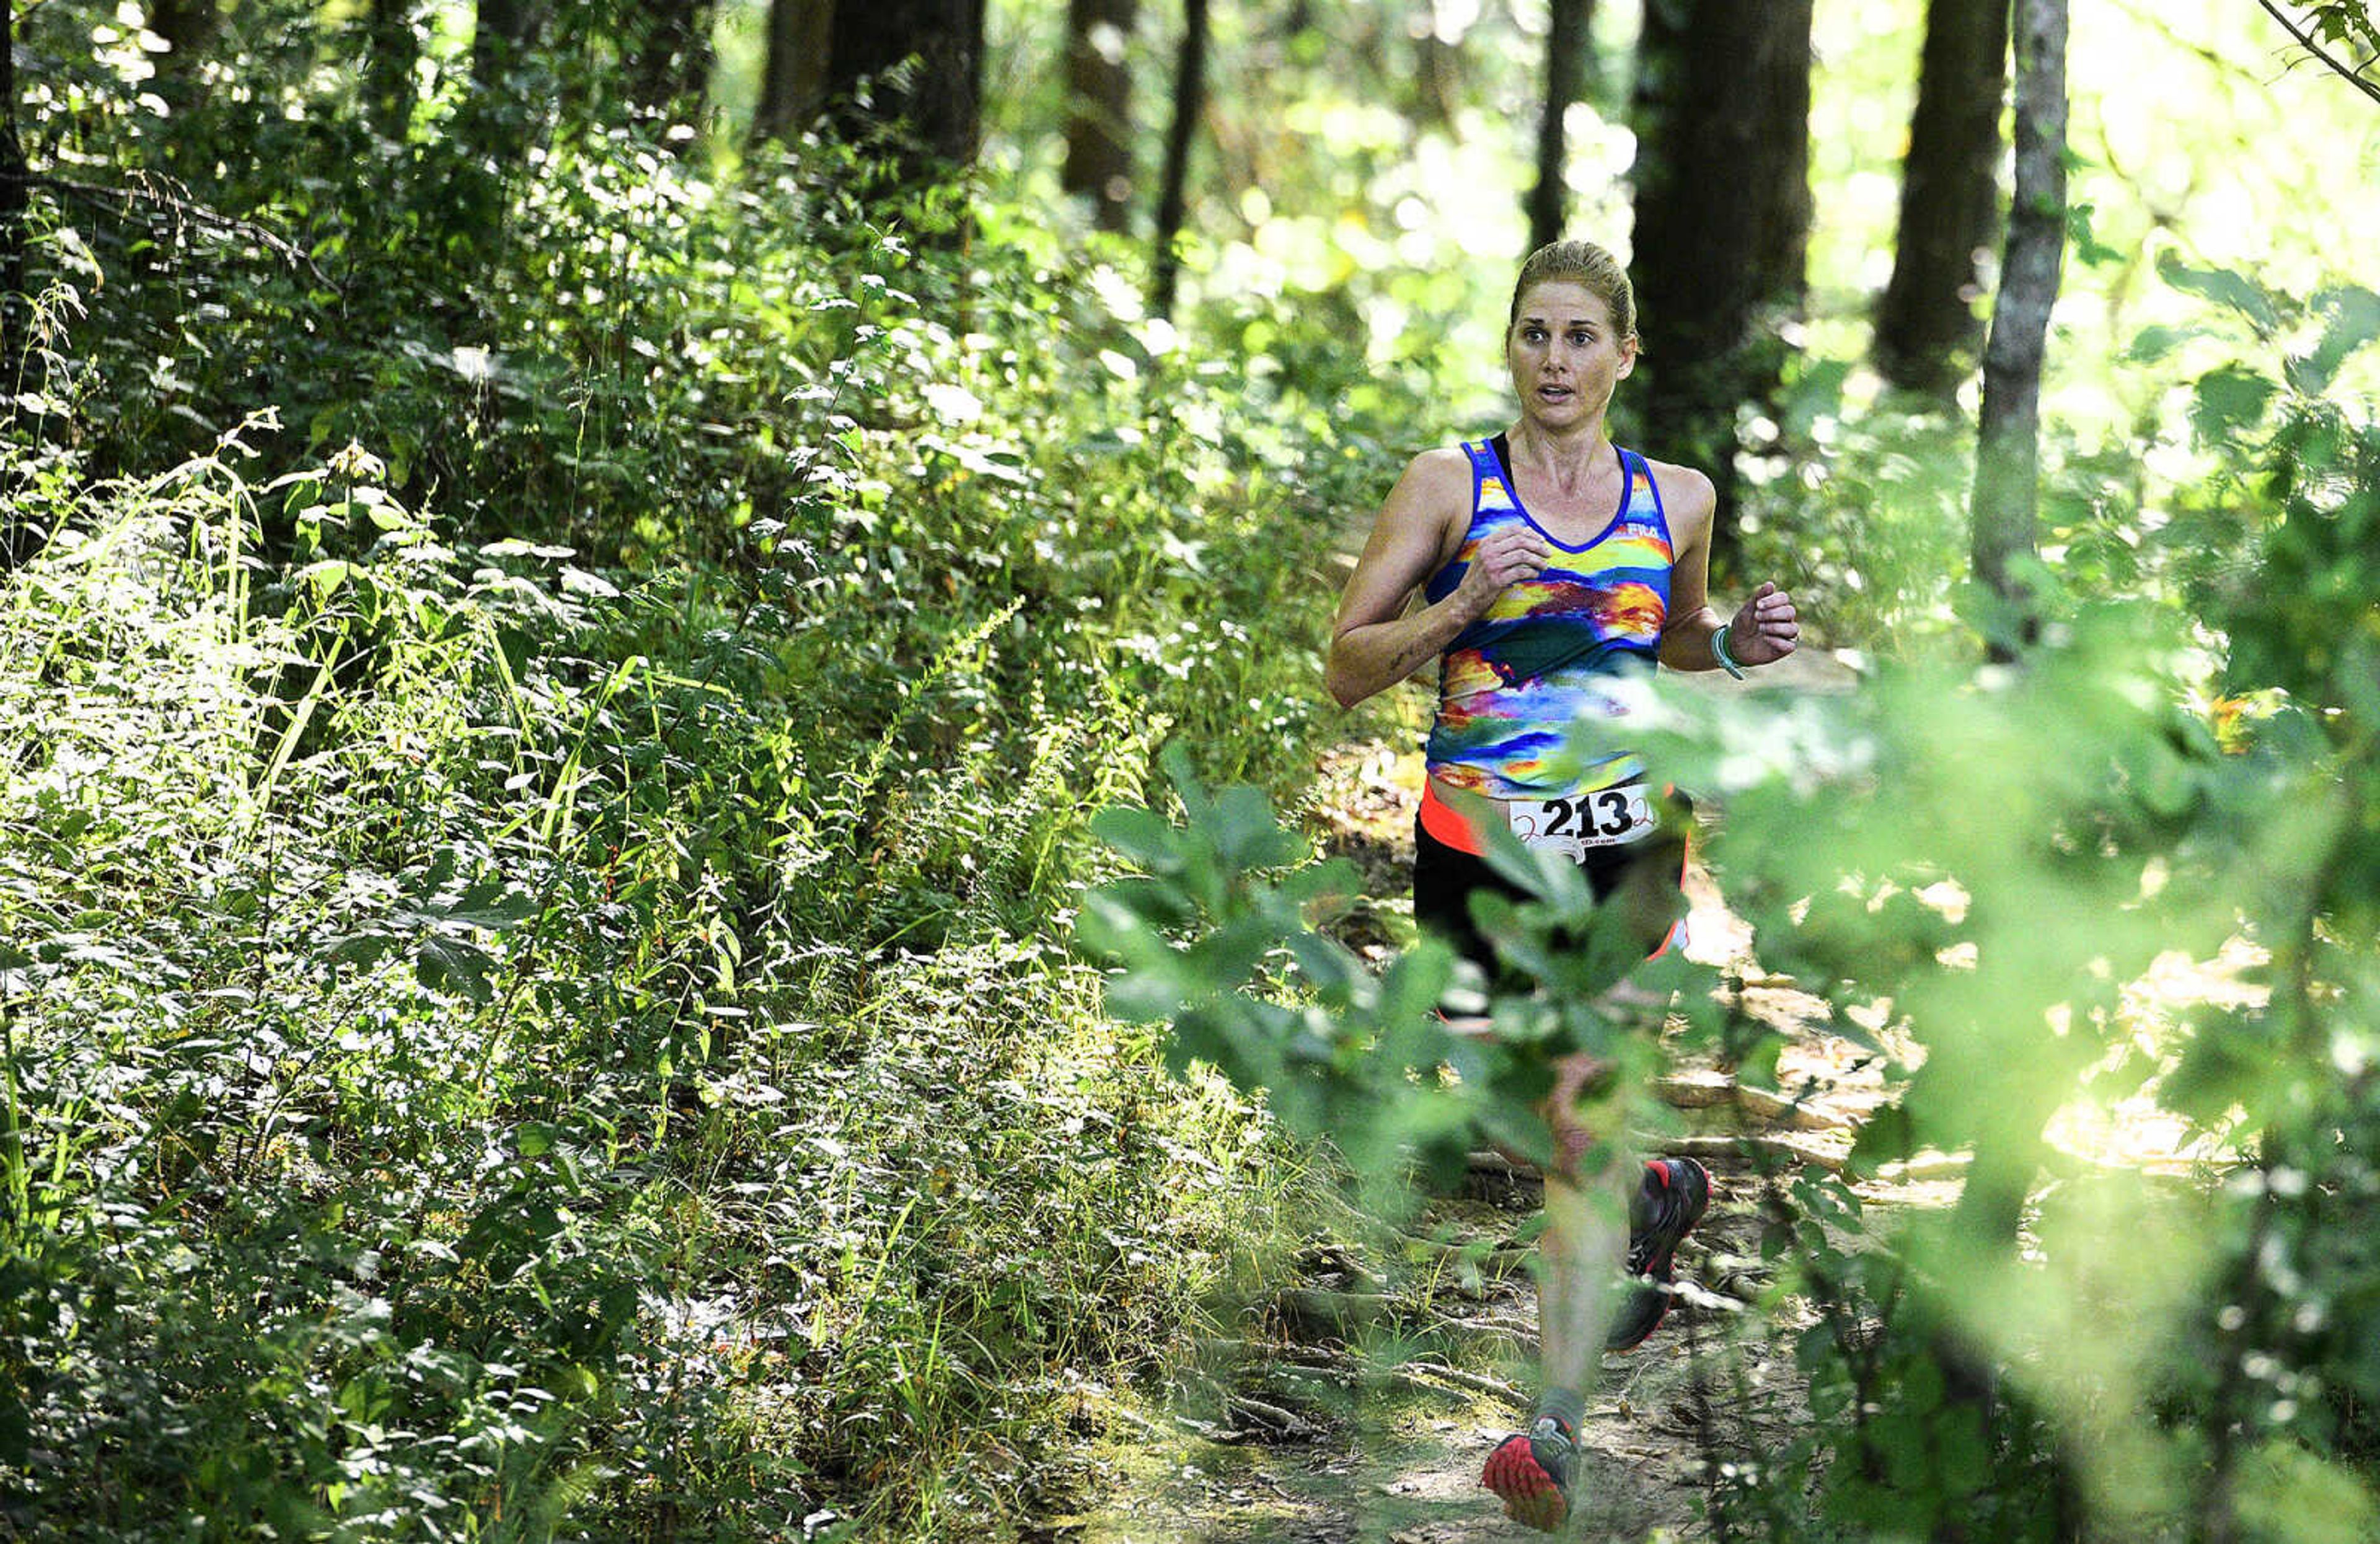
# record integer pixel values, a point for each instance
(1604, 818)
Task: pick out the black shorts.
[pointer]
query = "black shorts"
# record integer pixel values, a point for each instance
(1654, 869)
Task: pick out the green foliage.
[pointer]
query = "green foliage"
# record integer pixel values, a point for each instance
(533, 912)
(2345, 21)
(505, 1044)
(1220, 938)
(1987, 860)
(2002, 856)
(1343, 1055)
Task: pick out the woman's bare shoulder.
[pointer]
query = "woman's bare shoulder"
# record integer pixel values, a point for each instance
(1440, 468)
(1683, 490)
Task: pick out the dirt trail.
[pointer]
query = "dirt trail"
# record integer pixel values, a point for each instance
(1400, 1463)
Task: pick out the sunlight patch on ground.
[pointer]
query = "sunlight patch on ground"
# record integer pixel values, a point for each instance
(2135, 1131)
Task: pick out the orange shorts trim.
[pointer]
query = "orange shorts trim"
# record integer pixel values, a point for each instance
(1449, 824)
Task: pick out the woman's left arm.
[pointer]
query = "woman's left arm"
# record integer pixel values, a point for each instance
(1764, 629)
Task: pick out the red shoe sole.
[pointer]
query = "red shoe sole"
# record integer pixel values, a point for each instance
(1529, 1494)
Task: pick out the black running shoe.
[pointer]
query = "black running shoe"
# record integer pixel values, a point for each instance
(1669, 1201)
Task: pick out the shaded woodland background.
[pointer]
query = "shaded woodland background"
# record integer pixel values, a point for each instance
(578, 570)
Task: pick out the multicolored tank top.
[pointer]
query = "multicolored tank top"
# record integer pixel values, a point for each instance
(1514, 682)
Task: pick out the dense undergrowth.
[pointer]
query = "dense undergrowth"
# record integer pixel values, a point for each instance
(534, 892)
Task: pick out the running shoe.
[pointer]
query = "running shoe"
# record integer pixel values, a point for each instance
(1530, 1473)
(1669, 1201)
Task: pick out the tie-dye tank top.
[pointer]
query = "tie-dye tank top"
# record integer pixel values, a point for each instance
(1514, 682)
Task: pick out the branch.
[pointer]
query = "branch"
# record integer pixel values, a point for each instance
(2305, 40)
(182, 208)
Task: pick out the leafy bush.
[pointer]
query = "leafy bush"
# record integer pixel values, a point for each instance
(506, 1043)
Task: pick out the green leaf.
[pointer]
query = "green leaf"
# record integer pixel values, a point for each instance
(2086, 244)
(2152, 344)
(1888, 1136)
(1246, 833)
(2351, 319)
(2229, 398)
(362, 949)
(2225, 288)
(449, 964)
(1757, 1066)
(493, 905)
(1143, 835)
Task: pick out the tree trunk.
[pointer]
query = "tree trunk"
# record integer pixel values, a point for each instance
(190, 28)
(391, 49)
(1722, 106)
(20, 537)
(1566, 55)
(938, 98)
(499, 37)
(1437, 75)
(793, 82)
(1099, 108)
(2007, 451)
(478, 161)
(1948, 199)
(673, 59)
(15, 305)
(1189, 96)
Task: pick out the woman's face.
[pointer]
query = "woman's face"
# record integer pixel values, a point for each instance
(1563, 356)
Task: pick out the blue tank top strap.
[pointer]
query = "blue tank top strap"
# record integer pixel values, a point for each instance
(1637, 468)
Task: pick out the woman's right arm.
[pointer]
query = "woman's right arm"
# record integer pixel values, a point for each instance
(1374, 645)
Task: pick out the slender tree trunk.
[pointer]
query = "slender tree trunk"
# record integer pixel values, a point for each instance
(1099, 108)
(1722, 105)
(499, 36)
(19, 538)
(1566, 55)
(673, 59)
(15, 304)
(1437, 78)
(1189, 97)
(793, 82)
(2007, 452)
(190, 28)
(392, 50)
(938, 98)
(1950, 199)
(476, 164)
(669, 51)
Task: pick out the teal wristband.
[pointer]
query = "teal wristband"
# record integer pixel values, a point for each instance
(1719, 653)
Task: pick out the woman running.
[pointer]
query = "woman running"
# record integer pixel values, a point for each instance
(1553, 565)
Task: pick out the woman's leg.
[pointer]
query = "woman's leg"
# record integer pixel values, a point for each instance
(1584, 1298)
(1585, 1241)
(1584, 1294)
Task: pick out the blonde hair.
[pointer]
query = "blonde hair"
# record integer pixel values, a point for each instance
(1581, 262)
